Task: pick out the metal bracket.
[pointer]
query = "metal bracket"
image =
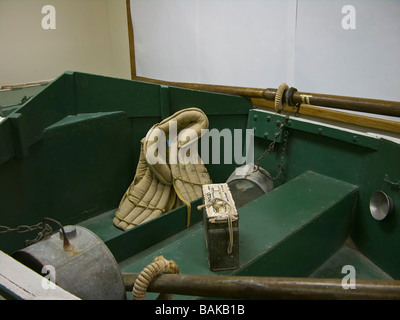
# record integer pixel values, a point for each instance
(266, 125)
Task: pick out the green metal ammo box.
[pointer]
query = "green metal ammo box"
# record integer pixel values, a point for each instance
(220, 227)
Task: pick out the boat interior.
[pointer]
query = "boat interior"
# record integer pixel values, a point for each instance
(71, 152)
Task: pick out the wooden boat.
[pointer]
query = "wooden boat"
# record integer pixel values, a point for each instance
(70, 153)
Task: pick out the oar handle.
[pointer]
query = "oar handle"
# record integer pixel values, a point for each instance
(375, 106)
(243, 287)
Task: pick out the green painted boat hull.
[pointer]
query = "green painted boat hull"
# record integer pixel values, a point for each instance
(71, 151)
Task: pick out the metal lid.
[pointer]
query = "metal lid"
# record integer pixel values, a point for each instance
(380, 205)
(70, 232)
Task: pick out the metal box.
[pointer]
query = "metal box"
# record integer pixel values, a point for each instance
(220, 227)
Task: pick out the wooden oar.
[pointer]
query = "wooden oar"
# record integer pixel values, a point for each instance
(242, 287)
(375, 106)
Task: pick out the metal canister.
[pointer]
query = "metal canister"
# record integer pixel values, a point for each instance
(249, 182)
(86, 268)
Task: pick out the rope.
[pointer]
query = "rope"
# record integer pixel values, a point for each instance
(188, 205)
(159, 265)
(214, 203)
(279, 97)
(180, 196)
(191, 182)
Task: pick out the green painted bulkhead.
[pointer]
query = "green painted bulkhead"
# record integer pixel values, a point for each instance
(71, 152)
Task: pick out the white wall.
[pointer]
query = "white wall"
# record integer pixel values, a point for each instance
(119, 40)
(262, 43)
(90, 36)
(360, 62)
